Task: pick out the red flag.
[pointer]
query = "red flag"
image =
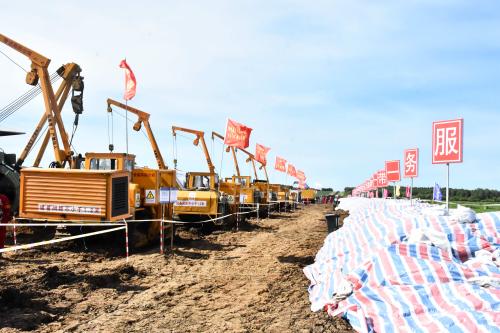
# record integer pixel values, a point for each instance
(301, 176)
(130, 82)
(291, 170)
(261, 152)
(237, 135)
(280, 164)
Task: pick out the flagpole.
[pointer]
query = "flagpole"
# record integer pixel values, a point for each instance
(448, 189)
(126, 125)
(126, 116)
(411, 192)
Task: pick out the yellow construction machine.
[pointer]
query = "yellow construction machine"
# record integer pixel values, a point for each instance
(205, 196)
(308, 196)
(146, 184)
(38, 76)
(109, 188)
(263, 193)
(250, 194)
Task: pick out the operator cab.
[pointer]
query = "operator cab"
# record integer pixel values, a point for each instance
(202, 180)
(245, 181)
(109, 161)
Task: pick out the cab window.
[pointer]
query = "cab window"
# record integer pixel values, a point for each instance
(103, 164)
(129, 165)
(201, 182)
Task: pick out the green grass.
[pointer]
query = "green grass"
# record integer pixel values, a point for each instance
(478, 207)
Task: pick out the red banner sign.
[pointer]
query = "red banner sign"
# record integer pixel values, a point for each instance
(447, 141)
(382, 179)
(301, 176)
(392, 171)
(374, 182)
(291, 170)
(280, 164)
(260, 153)
(237, 135)
(410, 163)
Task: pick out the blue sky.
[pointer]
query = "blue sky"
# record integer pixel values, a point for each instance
(334, 87)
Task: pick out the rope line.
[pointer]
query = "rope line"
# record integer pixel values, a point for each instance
(13, 61)
(22, 100)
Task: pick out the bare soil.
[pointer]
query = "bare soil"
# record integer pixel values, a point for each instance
(232, 281)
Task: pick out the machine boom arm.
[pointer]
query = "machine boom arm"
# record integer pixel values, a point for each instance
(35, 57)
(39, 71)
(251, 158)
(143, 119)
(200, 136)
(233, 151)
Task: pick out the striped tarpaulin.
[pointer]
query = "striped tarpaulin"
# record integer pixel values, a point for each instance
(378, 275)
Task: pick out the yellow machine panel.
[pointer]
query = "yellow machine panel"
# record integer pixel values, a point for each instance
(63, 194)
(232, 190)
(309, 194)
(247, 196)
(264, 188)
(196, 203)
(150, 181)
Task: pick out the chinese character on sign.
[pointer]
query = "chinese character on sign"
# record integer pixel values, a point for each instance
(392, 171)
(411, 163)
(382, 178)
(447, 141)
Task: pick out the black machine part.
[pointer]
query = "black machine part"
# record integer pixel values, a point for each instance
(9, 176)
(9, 179)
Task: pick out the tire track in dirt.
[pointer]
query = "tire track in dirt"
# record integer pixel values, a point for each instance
(242, 281)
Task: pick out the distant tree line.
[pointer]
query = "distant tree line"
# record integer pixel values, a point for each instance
(456, 194)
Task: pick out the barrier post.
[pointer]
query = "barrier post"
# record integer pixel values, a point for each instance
(258, 208)
(238, 217)
(172, 233)
(162, 238)
(14, 235)
(126, 239)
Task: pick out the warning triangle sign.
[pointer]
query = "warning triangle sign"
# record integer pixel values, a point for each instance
(150, 195)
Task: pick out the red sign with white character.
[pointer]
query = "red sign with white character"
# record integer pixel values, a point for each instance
(382, 178)
(411, 163)
(447, 141)
(392, 171)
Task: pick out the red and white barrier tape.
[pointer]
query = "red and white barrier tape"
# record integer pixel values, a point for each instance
(58, 240)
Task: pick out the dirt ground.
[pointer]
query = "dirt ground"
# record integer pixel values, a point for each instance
(244, 281)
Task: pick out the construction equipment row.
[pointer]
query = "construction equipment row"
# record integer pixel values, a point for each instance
(109, 186)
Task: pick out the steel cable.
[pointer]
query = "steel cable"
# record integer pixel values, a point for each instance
(26, 96)
(19, 102)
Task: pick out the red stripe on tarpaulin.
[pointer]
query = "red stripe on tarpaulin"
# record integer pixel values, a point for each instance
(489, 223)
(464, 241)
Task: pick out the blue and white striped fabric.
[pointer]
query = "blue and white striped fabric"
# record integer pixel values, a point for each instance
(382, 278)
